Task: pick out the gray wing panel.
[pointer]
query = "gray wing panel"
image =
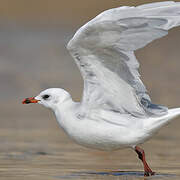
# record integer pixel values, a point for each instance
(104, 51)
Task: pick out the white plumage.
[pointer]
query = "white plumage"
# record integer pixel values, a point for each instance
(104, 51)
(116, 110)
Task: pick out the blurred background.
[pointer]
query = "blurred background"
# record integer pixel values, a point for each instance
(33, 57)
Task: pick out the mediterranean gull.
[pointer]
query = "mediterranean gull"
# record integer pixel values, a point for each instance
(116, 110)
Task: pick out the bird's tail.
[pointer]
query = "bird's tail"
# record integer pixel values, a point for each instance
(155, 123)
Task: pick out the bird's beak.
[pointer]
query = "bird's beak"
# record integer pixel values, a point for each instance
(30, 100)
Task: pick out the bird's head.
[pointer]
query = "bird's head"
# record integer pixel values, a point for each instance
(49, 98)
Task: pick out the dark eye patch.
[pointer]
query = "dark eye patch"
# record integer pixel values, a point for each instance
(46, 96)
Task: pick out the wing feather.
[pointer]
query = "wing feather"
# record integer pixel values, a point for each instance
(104, 51)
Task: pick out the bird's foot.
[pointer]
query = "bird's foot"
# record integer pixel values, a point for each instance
(147, 173)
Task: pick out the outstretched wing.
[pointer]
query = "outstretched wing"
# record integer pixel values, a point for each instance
(104, 51)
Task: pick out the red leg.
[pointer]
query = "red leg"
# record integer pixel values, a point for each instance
(141, 155)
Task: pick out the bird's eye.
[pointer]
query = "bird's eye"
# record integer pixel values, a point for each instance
(46, 96)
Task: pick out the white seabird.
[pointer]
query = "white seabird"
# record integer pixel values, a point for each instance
(115, 111)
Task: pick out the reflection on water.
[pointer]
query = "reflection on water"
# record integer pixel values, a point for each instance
(116, 175)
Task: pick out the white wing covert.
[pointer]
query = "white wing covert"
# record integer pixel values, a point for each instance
(104, 51)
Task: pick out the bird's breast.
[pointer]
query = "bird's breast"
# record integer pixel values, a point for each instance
(100, 135)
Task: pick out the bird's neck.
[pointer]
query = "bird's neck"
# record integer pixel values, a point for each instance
(65, 112)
